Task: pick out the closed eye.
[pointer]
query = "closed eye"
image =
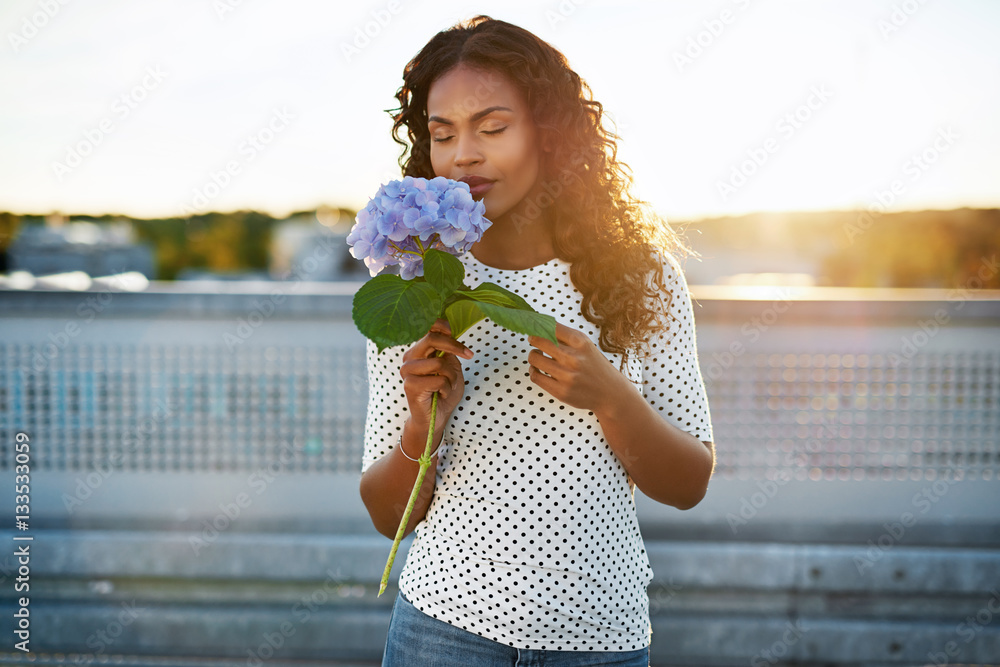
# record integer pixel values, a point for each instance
(490, 132)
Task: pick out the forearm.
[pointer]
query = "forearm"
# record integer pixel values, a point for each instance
(669, 465)
(387, 484)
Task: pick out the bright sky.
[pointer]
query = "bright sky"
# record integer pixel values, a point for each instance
(127, 107)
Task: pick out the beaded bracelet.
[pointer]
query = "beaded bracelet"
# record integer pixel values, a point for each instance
(399, 446)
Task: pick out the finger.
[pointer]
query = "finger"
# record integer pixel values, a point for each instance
(444, 342)
(546, 346)
(428, 366)
(545, 364)
(442, 325)
(434, 342)
(570, 336)
(564, 335)
(573, 345)
(542, 380)
(427, 384)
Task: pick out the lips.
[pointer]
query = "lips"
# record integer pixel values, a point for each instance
(473, 181)
(477, 184)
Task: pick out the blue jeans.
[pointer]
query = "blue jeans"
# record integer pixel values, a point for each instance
(418, 640)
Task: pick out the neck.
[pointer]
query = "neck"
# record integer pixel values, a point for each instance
(507, 246)
(516, 241)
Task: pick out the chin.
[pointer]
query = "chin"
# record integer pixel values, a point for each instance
(491, 207)
(493, 214)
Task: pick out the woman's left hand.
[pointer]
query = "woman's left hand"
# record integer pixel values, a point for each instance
(576, 372)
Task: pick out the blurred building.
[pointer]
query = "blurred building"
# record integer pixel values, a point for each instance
(61, 246)
(314, 247)
(758, 249)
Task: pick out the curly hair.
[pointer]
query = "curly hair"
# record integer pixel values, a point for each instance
(610, 238)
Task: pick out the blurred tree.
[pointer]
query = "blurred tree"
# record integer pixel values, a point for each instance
(220, 242)
(9, 224)
(947, 249)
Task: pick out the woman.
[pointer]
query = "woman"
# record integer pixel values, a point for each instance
(527, 549)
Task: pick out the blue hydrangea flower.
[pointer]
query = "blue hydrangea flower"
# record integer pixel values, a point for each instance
(408, 216)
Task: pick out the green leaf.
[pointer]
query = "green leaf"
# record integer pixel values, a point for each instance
(526, 322)
(461, 315)
(392, 311)
(491, 293)
(444, 271)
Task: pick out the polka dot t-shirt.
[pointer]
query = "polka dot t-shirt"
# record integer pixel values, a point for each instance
(531, 537)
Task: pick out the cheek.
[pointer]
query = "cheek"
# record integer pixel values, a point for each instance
(530, 172)
(438, 163)
(523, 160)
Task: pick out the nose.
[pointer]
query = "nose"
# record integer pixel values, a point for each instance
(467, 151)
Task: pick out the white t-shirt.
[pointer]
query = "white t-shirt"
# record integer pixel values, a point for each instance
(531, 538)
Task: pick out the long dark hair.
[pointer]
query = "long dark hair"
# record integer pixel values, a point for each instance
(610, 239)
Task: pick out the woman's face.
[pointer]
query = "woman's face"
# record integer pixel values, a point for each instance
(481, 126)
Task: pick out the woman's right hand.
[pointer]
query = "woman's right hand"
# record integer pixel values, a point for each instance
(424, 373)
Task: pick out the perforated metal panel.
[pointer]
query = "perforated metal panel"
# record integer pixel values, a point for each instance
(858, 416)
(816, 416)
(185, 407)
(835, 390)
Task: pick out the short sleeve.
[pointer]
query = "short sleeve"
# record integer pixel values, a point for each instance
(387, 407)
(671, 376)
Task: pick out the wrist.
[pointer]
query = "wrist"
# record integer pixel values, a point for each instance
(420, 425)
(614, 402)
(412, 433)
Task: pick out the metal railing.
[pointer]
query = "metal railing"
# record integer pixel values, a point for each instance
(197, 453)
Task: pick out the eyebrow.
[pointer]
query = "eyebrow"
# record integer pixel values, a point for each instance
(476, 116)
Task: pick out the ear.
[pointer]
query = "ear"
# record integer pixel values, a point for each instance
(547, 143)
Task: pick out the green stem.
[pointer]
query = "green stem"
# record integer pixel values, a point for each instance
(408, 252)
(425, 463)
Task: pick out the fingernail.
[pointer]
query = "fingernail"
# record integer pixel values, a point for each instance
(467, 354)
